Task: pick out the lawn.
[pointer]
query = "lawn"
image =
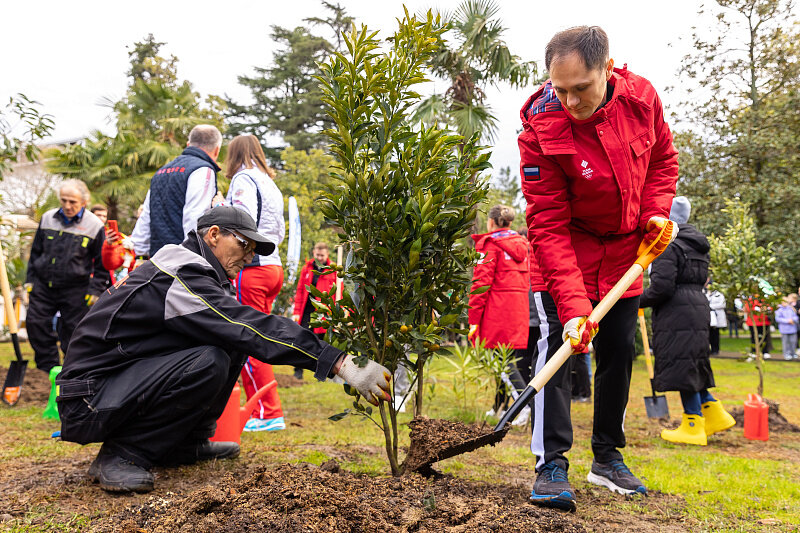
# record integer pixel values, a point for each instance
(730, 485)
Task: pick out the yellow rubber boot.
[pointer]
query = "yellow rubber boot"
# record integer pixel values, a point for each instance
(691, 431)
(717, 418)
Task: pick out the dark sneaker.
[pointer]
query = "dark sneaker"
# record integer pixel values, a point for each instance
(616, 477)
(552, 488)
(116, 474)
(204, 450)
(298, 373)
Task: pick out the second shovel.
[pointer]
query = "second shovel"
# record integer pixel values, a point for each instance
(656, 406)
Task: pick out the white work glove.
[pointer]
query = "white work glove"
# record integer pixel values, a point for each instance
(372, 381)
(654, 227)
(580, 343)
(127, 243)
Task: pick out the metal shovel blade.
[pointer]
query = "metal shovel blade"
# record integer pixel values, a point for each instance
(13, 385)
(656, 406)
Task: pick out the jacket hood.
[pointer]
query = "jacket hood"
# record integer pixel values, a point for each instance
(690, 235)
(507, 240)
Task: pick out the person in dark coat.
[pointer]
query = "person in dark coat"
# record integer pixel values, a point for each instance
(681, 318)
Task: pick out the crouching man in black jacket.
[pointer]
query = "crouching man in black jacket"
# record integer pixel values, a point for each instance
(152, 365)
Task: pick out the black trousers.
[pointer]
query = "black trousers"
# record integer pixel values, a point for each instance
(43, 303)
(581, 386)
(154, 405)
(614, 350)
(764, 339)
(713, 340)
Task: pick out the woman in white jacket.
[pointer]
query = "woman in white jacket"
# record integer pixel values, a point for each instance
(719, 320)
(253, 190)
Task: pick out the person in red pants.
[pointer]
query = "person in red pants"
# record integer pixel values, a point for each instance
(253, 190)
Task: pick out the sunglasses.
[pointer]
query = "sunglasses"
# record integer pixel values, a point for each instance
(243, 243)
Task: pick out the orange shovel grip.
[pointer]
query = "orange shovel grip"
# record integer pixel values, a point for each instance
(648, 252)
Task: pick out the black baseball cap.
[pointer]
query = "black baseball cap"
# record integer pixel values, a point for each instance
(232, 218)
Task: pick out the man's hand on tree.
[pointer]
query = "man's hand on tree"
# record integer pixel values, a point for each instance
(371, 381)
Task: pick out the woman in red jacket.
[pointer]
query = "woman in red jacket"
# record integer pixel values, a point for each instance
(599, 171)
(500, 315)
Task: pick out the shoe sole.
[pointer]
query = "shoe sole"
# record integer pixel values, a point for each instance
(108, 487)
(610, 485)
(564, 501)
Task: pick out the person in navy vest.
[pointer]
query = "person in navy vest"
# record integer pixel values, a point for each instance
(180, 192)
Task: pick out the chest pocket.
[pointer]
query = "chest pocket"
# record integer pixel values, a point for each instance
(641, 144)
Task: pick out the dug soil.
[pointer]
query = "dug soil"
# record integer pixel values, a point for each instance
(776, 421)
(435, 439)
(304, 497)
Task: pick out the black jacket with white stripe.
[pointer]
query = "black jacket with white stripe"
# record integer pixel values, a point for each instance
(182, 299)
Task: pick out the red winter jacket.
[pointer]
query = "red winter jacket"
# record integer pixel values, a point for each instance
(501, 313)
(324, 283)
(591, 187)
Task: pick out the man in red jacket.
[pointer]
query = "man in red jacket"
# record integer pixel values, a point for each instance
(309, 275)
(598, 170)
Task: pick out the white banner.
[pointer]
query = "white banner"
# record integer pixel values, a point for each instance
(293, 248)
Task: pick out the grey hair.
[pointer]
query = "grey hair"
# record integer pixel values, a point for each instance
(205, 136)
(502, 215)
(78, 185)
(589, 42)
(202, 232)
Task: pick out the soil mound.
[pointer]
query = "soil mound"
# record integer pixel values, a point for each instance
(435, 439)
(777, 422)
(304, 497)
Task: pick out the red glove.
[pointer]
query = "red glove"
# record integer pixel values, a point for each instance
(579, 340)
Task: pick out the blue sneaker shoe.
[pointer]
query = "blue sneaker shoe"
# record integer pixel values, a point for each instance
(552, 488)
(616, 477)
(265, 424)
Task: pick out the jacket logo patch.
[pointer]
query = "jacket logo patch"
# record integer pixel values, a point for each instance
(587, 170)
(531, 173)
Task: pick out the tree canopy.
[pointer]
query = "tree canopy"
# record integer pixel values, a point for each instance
(153, 121)
(745, 125)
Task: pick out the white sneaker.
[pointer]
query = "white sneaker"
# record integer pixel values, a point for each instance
(490, 412)
(767, 356)
(523, 417)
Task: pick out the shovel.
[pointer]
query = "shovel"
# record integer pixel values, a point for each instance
(646, 254)
(655, 405)
(16, 372)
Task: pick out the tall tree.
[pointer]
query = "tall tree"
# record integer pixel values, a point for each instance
(287, 101)
(474, 57)
(746, 81)
(153, 121)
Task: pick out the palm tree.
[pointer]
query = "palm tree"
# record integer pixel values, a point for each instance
(475, 57)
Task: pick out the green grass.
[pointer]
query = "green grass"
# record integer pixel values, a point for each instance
(726, 486)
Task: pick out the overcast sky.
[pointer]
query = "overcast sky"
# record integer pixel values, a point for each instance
(71, 55)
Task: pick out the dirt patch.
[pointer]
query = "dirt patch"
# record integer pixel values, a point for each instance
(434, 439)
(299, 498)
(777, 422)
(286, 381)
(35, 386)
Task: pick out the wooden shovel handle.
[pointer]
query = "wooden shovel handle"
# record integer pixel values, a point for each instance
(646, 343)
(4, 286)
(600, 310)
